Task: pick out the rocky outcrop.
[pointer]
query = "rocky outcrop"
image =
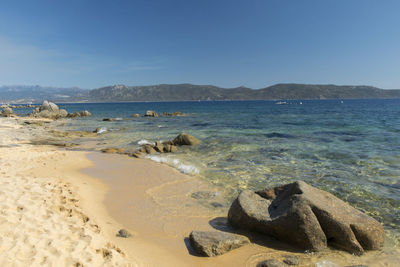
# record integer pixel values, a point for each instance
(185, 139)
(306, 217)
(151, 113)
(49, 110)
(207, 243)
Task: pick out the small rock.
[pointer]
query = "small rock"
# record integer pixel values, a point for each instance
(123, 233)
(150, 113)
(113, 150)
(136, 115)
(291, 260)
(271, 263)
(211, 244)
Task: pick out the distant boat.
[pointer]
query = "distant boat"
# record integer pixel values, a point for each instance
(281, 103)
(341, 102)
(301, 103)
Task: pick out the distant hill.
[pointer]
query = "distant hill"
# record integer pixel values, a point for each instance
(36, 93)
(185, 92)
(190, 92)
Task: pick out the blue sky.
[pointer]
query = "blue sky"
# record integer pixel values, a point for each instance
(93, 43)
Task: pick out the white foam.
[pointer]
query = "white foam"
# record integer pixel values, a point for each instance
(102, 130)
(145, 142)
(184, 168)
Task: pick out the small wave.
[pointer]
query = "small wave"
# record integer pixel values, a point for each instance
(184, 168)
(145, 142)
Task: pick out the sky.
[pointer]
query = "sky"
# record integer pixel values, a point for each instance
(252, 43)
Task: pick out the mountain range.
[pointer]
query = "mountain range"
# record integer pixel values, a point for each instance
(190, 92)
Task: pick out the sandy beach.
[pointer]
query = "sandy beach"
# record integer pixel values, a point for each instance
(64, 208)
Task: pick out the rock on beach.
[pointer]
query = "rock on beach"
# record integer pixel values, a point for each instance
(210, 244)
(306, 217)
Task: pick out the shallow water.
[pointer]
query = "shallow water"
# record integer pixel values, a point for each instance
(350, 149)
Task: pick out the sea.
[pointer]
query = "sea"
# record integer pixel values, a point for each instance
(350, 148)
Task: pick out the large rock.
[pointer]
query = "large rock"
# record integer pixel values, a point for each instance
(185, 139)
(50, 106)
(306, 217)
(211, 244)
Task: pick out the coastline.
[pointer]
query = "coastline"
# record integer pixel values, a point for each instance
(151, 200)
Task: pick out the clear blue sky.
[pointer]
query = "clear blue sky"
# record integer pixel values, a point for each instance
(92, 43)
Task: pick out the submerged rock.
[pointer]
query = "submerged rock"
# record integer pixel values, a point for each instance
(185, 139)
(173, 114)
(211, 244)
(291, 260)
(306, 217)
(203, 195)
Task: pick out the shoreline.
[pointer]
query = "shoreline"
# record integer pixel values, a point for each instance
(104, 183)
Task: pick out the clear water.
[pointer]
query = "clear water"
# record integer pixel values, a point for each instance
(351, 149)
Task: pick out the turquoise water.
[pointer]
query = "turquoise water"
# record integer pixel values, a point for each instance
(351, 149)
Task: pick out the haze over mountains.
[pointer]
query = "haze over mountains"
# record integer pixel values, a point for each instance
(190, 92)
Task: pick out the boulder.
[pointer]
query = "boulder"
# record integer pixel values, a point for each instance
(50, 106)
(63, 113)
(136, 115)
(185, 139)
(7, 112)
(151, 113)
(306, 217)
(211, 244)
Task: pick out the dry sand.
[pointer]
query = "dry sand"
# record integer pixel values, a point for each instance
(56, 215)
